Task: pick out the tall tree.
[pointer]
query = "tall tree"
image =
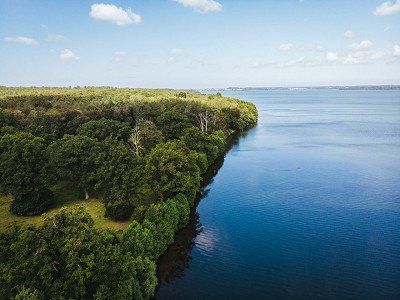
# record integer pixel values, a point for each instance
(24, 173)
(173, 169)
(144, 137)
(173, 124)
(23, 163)
(74, 158)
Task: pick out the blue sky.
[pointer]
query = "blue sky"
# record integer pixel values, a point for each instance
(199, 43)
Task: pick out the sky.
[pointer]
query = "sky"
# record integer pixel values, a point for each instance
(199, 43)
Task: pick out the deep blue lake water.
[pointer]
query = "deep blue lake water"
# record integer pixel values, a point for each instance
(305, 206)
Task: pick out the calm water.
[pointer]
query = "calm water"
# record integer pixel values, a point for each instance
(305, 206)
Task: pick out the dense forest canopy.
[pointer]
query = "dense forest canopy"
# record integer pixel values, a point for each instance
(142, 152)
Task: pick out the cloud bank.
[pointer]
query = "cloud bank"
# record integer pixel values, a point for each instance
(387, 8)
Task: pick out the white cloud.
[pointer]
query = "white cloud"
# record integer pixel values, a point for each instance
(387, 28)
(387, 8)
(68, 55)
(349, 34)
(21, 40)
(286, 47)
(396, 50)
(55, 38)
(331, 56)
(114, 14)
(177, 51)
(201, 5)
(363, 56)
(362, 45)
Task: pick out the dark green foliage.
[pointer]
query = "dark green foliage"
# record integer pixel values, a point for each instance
(173, 124)
(152, 237)
(202, 162)
(148, 136)
(173, 169)
(67, 258)
(74, 158)
(119, 176)
(27, 294)
(43, 124)
(104, 128)
(104, 140)
(118, 207)
(8, 130)
(200, 141)
(7, 118)
(229, 117)
(138, 239)
(33, 202)
(23, 163)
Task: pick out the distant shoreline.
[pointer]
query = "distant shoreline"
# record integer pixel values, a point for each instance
(350, 87)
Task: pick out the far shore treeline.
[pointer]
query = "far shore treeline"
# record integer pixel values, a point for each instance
(141, 152)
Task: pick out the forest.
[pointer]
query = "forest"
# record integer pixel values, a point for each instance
(141, 153)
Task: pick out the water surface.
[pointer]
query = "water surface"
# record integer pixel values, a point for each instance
(305, 206)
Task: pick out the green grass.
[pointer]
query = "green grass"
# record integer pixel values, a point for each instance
(65, 196)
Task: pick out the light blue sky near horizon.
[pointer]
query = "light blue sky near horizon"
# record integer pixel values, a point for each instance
(179, 47)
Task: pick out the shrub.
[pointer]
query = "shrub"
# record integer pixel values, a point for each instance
(32, 202)
(118, 208)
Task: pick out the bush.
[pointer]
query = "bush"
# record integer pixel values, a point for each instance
(32, 202)
(118, 209)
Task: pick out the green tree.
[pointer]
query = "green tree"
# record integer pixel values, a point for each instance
(144, 137)
(120, 175)
(104, 128)
(173, 169)
(23, 163)
(67, 258)
(201, 141)
(173, 124)
(24, 173)
(44, 124)
(74, 158)
(7, 118)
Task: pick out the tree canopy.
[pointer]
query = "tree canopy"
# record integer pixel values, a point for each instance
(140, 152)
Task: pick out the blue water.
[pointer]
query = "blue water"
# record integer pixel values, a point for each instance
(305, 206)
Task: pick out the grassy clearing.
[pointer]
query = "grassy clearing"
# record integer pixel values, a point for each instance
(66, 196)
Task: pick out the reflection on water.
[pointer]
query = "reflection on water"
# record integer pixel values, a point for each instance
(305, 206)
(176, 259)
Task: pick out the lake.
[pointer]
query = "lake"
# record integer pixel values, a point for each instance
(304, 206)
